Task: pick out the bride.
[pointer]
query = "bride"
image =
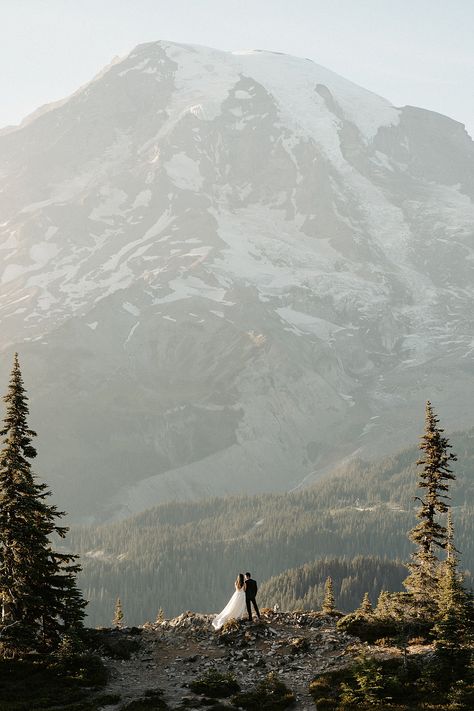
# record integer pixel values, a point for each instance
(236, 606)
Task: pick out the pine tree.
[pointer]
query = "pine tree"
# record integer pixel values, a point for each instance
(118, 614)
(429, 534)
(328, 603)
(366, 606)
(38, 590)
(453, 630)
(367, 686)
(382, 608)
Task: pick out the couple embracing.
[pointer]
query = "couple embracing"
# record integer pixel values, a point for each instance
(243, 599)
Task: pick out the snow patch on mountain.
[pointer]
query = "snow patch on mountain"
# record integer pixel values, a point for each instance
(184, 172)
(229, 264)
(293, 82)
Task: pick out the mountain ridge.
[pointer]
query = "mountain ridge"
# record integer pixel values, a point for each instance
(223, 282)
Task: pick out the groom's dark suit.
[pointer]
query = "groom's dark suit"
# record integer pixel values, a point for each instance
(250, 594)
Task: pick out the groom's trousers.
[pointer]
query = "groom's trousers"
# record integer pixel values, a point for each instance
(249, 601)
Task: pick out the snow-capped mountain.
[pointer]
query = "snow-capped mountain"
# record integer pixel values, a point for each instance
(226, 272)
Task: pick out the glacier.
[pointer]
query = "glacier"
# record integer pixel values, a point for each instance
(228, 272)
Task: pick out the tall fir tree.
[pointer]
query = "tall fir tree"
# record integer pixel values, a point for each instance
(328, 603)
(118, 614)
(429, 534)
(38, 590)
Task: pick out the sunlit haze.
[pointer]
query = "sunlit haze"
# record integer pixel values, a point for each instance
(417, 53)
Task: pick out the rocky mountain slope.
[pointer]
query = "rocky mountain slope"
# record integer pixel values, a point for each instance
(226, 272)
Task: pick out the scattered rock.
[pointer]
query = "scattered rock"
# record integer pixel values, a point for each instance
(173, 654)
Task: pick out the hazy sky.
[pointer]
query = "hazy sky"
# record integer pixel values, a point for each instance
(417, 52)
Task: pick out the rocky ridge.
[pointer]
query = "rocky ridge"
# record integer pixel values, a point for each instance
(172, 654)
(168, 656)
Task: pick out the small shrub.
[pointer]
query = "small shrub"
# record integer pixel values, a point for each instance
(460, 696)
(151, 701)
(368, 628)
(231, 625)
(383, 642)
(48, 683)
(215, 684)
(120, 647)
(86, 668)
(18, 640)
(417, 640)
(367, 686)
(113, 643)
(325, 689)
(70, 645)
(270, 695)
(107, 699)
(300, 645)
(327, 704)
(324, 693)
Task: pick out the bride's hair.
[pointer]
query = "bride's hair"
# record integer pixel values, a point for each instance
(240, 581)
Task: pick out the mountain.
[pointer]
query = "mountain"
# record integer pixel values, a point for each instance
(229, 272)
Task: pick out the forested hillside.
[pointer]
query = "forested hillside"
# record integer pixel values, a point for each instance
(302, 588)
(186, 556)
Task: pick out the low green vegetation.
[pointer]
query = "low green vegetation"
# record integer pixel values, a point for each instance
(421, 684)
(49, 683)
(152, 700)
(111, 643)
(270, 695)
(215, 684)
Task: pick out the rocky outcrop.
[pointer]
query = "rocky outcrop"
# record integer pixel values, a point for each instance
(292, 647)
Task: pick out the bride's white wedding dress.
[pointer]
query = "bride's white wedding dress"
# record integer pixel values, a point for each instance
(235, 608)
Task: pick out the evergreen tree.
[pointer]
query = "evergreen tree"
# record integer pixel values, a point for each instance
(453, 630)
(328, 602)
(367, 687)
(38, 590)
(366, 606)
(382, 608)
(429, 534)
(452, 593)
(118, 614)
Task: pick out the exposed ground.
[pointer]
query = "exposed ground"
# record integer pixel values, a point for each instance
(171, 654)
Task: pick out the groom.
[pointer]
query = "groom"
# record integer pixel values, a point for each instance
(250, 593)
